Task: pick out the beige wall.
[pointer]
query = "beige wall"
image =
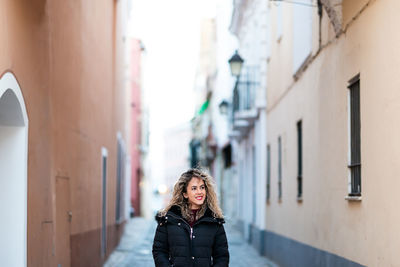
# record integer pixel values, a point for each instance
(367, 231)
(63, 54)
(280, 60)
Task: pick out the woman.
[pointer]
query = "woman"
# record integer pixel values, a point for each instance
(190, 229)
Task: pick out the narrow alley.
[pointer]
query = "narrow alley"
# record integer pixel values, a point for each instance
(281, 116)
(135, 247)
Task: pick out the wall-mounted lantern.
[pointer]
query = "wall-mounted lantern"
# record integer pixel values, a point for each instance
(236, 63)
(223, 107)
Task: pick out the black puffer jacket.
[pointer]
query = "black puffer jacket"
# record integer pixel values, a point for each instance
(173, 245)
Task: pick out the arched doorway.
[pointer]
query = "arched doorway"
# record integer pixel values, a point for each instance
(13, 173)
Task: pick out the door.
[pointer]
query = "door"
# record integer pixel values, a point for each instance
(13, 173)
(63, 222)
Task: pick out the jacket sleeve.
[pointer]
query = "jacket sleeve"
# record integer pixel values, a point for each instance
(220, 249)
(160, 247)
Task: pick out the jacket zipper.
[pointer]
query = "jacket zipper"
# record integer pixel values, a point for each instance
(191, 229)
(191, 234)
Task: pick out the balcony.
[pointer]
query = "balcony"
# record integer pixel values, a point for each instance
(245, 111)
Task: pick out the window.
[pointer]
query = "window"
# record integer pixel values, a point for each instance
(299, 161)
(247, 86)
(355, 137)
(120, 182)
(104, 202)
(279, 168)
(227, 155)
(254, 170)
(268, 172)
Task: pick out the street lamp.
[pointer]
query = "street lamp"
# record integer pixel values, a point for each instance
(236, 62)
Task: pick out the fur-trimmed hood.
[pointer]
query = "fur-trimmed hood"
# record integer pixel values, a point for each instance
(177, 211)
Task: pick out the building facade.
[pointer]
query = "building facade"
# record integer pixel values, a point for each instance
(332, 135)
(226, 171)
(311, 159)
(203, 144)
(248, 122)
(176, 153)
(64, 127)
(210, 146)
(139, 140)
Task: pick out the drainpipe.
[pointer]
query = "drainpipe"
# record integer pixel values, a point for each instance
(320, 23)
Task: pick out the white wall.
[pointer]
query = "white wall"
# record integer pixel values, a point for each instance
(261, 169)
(302, 34)
(253, 35)
(225, 46)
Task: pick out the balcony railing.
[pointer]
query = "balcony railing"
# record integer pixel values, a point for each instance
(244, 93)
(244, 111)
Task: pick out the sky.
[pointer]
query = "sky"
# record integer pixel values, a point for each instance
(170, 32)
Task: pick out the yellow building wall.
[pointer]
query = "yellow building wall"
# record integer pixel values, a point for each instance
(367, 231)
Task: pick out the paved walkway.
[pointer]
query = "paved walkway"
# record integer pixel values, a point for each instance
(136, 243)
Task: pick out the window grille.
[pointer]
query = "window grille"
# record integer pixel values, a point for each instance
(120, 183)
(279, 168)
(254, 173)
(268, 172)
(104, 206)
(355, 137)
(244, 96)
(299, 160)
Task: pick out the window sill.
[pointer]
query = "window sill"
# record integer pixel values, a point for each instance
(353, 198)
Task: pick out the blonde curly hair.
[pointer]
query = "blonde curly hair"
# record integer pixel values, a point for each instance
(179, 200)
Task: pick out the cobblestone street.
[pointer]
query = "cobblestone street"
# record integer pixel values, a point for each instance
(135, 248)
